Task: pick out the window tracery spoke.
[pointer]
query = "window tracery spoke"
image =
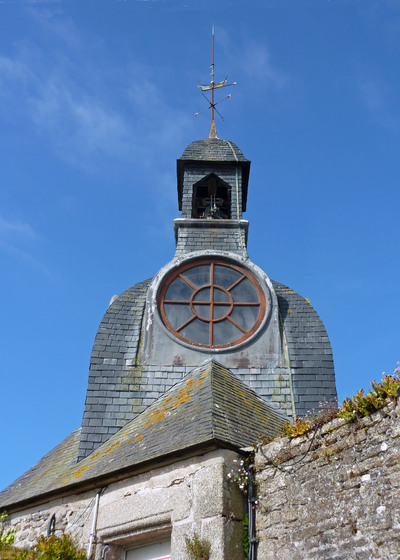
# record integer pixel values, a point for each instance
(188, 282)
(236, 283)
(186, 324)
(236, 325)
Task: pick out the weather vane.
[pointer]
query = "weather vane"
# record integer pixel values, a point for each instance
(213, 86)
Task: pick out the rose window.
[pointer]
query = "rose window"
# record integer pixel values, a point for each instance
(211, 303)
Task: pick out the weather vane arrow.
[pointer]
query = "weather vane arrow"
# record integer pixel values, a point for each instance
(212, 87)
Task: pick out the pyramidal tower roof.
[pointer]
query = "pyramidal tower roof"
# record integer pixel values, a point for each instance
(210, 407)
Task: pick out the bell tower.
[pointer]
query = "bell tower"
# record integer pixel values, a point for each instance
(213, 177)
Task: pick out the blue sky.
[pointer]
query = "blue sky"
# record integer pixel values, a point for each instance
(97, 101)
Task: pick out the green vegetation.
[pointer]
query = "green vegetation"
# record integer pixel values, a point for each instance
(46, 548)
(245, 538)
(197, 548)
(381, 393)
(7, 536)
(360, 405)
(301, 426)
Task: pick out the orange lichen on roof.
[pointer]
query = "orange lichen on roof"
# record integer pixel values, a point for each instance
(183, 395)
(156, 419)
(138, 438)
(158, 412)
(200, 381)
(80, 471)
(182, 399)
(156, 415)
(112, 447)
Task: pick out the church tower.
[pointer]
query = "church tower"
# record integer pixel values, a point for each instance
(211, 302)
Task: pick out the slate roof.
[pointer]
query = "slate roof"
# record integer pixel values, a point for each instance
(310, 352)
(213, 149)
(208, 408)
(115, 349)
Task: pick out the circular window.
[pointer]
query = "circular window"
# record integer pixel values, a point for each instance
(212, 303)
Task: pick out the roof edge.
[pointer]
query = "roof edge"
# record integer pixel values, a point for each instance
(211, 444)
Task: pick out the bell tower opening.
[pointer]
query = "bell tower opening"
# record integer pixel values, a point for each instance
(211, 199)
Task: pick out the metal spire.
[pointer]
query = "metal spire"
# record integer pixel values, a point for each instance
(213, 86)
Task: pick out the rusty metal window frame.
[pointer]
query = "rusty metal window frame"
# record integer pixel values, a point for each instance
(211, 303)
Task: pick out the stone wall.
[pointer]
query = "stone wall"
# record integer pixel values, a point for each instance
(174, 501)
(73, 515)
(332, 495)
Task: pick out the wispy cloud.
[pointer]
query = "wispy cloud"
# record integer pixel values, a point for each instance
(79, 124)
(253, 60)
(257, 64)
(18, 239)
(379, 101)
(54, 22)
(156, 122)
(84, 110)
(12, 70)
(10, 230)
(373, 93)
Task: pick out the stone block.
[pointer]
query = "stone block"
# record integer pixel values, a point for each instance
(225, 537)
(208, 491)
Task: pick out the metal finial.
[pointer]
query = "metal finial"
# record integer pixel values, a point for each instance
(213, 86)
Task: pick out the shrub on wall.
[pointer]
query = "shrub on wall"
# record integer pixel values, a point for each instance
(197, 548)
(46, 548)
(360, 405)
